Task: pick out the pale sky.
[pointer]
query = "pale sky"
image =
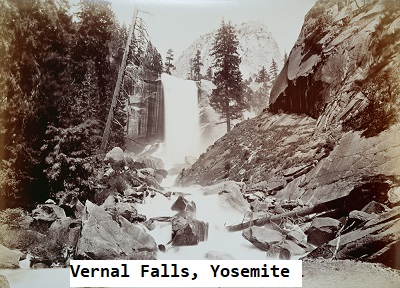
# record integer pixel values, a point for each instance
(176, 24)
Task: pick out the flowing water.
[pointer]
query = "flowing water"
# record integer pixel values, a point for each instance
(182, 138)
(182, 124)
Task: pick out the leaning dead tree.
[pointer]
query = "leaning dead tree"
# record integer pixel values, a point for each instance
(121, 71)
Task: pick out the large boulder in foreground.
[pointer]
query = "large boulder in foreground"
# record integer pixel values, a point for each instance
(188, 231)
(9, 259)
(103, 238)
(263, 237)
(322, 230)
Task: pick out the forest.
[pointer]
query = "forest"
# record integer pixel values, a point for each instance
(58, 72)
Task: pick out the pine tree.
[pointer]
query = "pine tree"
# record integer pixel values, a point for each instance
(285, 58)
(168, 63)
(273, 71)
(196, 64)
(262, 76)
(227, 98)
(209, 74)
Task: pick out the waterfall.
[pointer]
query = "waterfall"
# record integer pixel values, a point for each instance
(182, 131)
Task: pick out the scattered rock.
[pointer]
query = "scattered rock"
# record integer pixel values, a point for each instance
(39, 265)
(182, 204)
(71, 205)
(115, 155)
(50, 201)
(262, 237)
(361, 216)
(4, 282)
(9, 259)
(394, 197)
(277, 251)
(374, 207)
(104, 238)
(150, 224)
(188, 231)
(293, 248)
(151, 162)
(66, 230)
(48, 212)
(322, 230)
(378, 240)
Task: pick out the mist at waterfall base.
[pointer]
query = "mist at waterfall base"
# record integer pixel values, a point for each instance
(182, 138)
(181, 121)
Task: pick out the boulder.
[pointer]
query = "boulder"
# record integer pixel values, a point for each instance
(378, 240)
(262, 237)
(48, 212)
(394, 196)
(71, 205)
(66, 231)
(322, 230)
(4, 282)
(182, 204)
(151, 162)
(103, 238)
(374, 207)
(360, 216)
(115, 155)
(232, 197)
(277, 251)
(9, 259)
(188, 231)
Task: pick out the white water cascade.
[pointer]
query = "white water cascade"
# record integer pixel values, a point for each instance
(182, 132)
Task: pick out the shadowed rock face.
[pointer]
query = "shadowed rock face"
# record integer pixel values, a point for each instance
(346, 56)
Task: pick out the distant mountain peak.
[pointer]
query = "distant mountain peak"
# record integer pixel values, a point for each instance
(257, 48)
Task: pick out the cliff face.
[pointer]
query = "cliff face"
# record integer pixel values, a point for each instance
(346, 56)
(257, 48)
(337, 101)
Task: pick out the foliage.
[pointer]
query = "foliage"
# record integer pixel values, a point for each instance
(13, 217)
(195, 66)
(58, 76)
(69, 156)
(273, 71)
(263, 75)
(168, 62)
(227, 98)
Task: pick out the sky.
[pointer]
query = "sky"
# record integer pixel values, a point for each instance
(176, 24)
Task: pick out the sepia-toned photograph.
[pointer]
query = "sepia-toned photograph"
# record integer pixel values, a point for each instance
(217, 130)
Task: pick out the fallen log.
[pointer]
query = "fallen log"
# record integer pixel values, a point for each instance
(336, 204)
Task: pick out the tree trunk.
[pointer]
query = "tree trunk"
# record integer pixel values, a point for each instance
(228, 117)
(336, 205)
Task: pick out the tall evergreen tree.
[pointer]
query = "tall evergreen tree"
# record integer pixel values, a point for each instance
(227, 98)
(169, 60)
(262, 76)
(273, 71)
(209, 74)
(196, 64)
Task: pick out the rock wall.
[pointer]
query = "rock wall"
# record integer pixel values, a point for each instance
(342, 46)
